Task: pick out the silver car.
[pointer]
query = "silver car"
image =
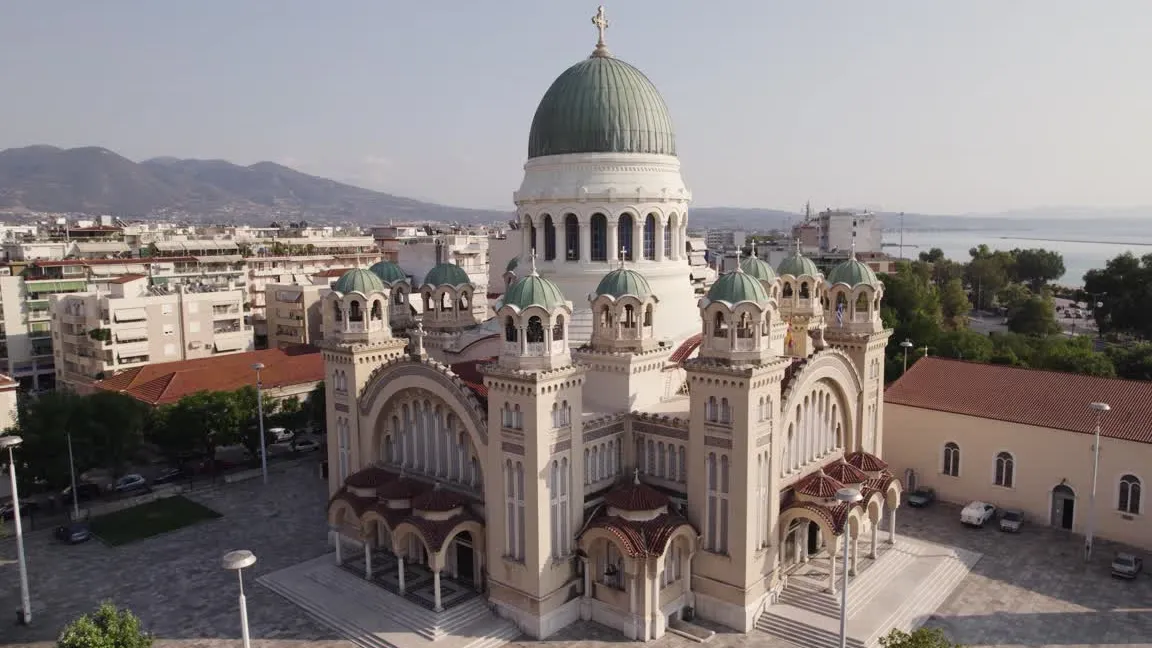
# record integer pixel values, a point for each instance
(1125, 565)
(1011, 521)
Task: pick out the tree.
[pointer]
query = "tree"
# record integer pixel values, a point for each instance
(1071, 354)
(112, 425)
(318, 408)
(246, 409)
(1013, 296)
(932, 256)
(921, 638)
(965, 345)
(1133, 362)
(1124, 287)
(986, 276)
(197, 423)
(954, 305)
(1036, 267)
(107, 627)
(44, 422)
(1037, 316)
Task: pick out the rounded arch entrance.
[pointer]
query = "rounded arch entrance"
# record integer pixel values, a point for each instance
(1063, 515)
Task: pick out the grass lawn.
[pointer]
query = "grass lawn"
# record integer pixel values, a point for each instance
(147, 520)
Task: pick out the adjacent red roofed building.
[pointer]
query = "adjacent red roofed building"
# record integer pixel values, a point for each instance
(294, 371)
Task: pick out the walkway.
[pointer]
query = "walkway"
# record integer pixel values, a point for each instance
(901, 588)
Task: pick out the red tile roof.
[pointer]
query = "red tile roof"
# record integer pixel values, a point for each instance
(866, 461)
(370, 477)
(641, 538)
(846, 473)
(331, 272)
(400, 489)
(686, 348)
(87, 262)
(635, 497)
(168, 382)
(438, 500)
(126, 278)
(818, 484)
(469, 373)
(1035, 397)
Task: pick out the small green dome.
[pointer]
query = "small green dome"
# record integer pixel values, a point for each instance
(446, 274)
(853, 272)
(388, 272)
(737, 286)
(512, 265)
(623, 281)
(798, 265)
(534, 290)
(758, 268)
(601, 105)
(358, 280)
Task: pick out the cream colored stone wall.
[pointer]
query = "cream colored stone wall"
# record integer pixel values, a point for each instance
(1043, 459)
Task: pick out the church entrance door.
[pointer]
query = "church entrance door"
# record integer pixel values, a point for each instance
(1063, 507)
(813, 538)
(465, 559)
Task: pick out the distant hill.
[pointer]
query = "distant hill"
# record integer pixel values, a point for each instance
(98, 181)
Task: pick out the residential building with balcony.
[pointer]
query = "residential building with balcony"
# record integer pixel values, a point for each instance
(293, 313)
(97, 334)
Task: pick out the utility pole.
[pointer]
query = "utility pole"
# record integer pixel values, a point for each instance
(901, 235)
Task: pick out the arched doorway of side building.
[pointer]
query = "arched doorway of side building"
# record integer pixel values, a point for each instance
(1063, 507)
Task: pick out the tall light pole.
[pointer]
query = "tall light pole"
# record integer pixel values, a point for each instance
(846, 496)
(72, 475)
(260, 408)
(1099, 408)
(10, 442)
(907, 344)
(237, 561)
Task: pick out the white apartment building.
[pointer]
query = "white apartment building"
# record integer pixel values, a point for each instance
(724, 239)
(293, 313)
(96, 334)
(840, 229)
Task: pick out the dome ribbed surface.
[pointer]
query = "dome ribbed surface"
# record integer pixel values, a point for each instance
(601, 105)
(853, 272)
(358, 280)
(388, 272)
(736, 287)
(846, 473)
(623, 281)
(534, 290)
(758, 268)
(867, 461)
(818, 484)
(446, 274)
(798, 265)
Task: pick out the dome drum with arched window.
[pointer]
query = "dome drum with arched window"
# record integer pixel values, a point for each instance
(623, 313)
(399, 287)
(534, 315)
(801, 286)
(448, 298)
(738, 320)
(852, 302)
(356, 309)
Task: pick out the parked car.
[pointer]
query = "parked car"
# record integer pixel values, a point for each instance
(84, 492)
(306, 445)
(73, 533)
(921, 497)
(8, 512)
(977, 513)
(1126, 565)
(280, 435)
(130, 483)
(169, 476)
(1011, 521)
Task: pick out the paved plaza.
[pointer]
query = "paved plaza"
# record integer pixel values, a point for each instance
(1027, 590)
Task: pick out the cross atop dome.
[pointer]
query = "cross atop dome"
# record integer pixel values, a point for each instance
(623, 256)
(532, 258)
(601, 22)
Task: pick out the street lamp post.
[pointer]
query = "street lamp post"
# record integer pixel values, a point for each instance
(846, 496)
(907, 344)
(10, 442)
(1099, 408)
(237, 561)
(260, 407)
(72, 475)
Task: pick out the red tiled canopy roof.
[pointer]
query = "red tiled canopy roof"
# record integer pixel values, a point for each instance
(168, 382)
(400, 489)
(438, 499)
(646, 538)
(866, 461)
(469, 374)
(635, 497)
(686, 348)
(818, 484)
(435, 532)
(845, 473)
(1035, 397)
(370, 477)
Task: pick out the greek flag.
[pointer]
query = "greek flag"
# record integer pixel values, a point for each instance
(840, 313)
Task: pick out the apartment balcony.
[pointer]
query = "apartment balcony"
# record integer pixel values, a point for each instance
(226, 312)
(38, 315)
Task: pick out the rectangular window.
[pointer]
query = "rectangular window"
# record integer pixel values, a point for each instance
(193, 326)
(166, 309)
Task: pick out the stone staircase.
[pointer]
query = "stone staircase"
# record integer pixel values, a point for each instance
(900, 589)
(375, 618)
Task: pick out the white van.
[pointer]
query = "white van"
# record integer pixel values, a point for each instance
(280, 435)
(977, 513)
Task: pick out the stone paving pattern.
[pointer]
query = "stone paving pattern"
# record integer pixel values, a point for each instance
(1030, 589)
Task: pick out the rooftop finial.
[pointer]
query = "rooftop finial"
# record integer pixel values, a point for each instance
(532, 259)
(853, 254)
(601, 23)
(635, 475)
(797, 239)
(623, 256)
(738, 268)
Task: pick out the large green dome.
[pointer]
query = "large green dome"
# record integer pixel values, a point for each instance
(758, 268)
(623, 281)
(534, 290)
(358, 280)
(737, 286)
(798, 265)
(852, 273)
(388, 272)
(446, 274)
(601, 105)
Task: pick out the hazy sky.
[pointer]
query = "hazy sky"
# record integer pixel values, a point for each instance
(937, 107)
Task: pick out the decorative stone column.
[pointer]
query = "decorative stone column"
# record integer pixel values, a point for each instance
(855, 554)
(436, 591)
(832, 566)
(585, 241)
(367, 561)
(892, 526)
(613, 239)
(586, 599)
(400, 573)
(872, 545)
(638, 237)
(339, 541)
(660, 229)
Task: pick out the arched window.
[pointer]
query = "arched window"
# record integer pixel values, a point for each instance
(1129, 500)
(558, 329)
(377, 310)
(1005, 470)
(648, 315)
(650, 237)
(718, 326)
(398, 296)
(535, 332)
(337, 312)
(787, 289)
(355, 312)
(744, 327)
(711, 409)
(572, 237)
(549, 239)
(725, 411)
(530, 231)
(951, 459)
(668, 236)
(804, 293)
(445, 301)
(624, 230)
(599, 224)
(605, 317)
(509, 329)
(629, 316)
(861, 304)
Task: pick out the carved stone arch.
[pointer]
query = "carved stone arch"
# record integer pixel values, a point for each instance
(342, 515)
(875, 507)
(396, 378)
(400, 535)
(837, 370)
(474, 528)
(811, 514)
(588, 540)
(368, 523)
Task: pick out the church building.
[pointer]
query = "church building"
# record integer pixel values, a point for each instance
(625, 452)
